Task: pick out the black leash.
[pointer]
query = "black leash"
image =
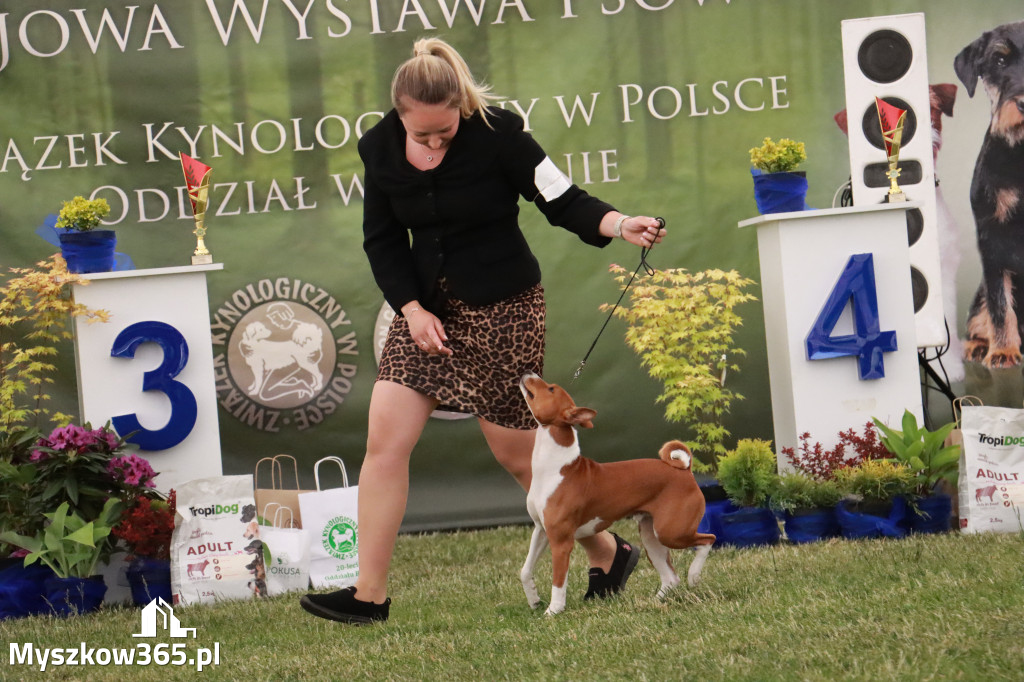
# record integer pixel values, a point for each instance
(644, 250)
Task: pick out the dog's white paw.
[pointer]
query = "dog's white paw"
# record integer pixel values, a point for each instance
(552, 611)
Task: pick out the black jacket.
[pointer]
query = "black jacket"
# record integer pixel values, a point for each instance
(462, 215)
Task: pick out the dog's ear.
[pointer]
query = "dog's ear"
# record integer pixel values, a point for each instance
(945, 96)
(967, 64)
(581, 416)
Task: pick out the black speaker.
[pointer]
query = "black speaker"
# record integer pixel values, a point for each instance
(885, 57)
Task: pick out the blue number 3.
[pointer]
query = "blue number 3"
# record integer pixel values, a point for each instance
(856, 285)
(183, 403)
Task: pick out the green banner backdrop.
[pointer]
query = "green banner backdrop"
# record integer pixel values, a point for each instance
(649, 104)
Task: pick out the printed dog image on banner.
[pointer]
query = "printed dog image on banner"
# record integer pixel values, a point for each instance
(996, 59)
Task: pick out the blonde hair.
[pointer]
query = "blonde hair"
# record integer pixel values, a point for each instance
(437, 74)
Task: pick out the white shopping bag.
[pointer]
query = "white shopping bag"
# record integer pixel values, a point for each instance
(991, 485)
(330, 518)
(285, 551)
(216, 551)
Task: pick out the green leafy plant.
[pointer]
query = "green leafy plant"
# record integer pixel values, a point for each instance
(748, 473)
(777, 157)
(797, 490)
(81, 214)
(681, 324)
(875, 480)
(69, 545)
(923, 452)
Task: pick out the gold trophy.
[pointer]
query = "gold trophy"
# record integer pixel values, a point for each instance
(197, 181)
(891, 119)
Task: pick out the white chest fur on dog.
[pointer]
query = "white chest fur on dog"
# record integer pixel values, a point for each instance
(572, 497)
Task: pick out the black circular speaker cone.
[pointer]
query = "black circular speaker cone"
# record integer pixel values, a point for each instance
(915, 225)
(885, 56)
(920, 287)
(872, 129)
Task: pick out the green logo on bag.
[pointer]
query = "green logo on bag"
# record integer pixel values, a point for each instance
(339, 537)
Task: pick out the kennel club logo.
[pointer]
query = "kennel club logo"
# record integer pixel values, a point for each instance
(339, 537)
(284, 354)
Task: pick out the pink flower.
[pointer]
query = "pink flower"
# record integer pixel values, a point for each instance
(133, 470)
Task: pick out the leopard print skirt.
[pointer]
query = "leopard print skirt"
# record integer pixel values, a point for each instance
(493, 346)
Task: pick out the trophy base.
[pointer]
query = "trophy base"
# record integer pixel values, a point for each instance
(895, 197)
(205, 259)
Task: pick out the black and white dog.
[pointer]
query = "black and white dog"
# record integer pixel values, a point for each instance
(994, 328)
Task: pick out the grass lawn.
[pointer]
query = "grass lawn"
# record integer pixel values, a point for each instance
(922, 608)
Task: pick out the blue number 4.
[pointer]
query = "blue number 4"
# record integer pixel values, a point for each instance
(856, 286)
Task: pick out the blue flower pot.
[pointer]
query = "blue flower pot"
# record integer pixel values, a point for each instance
(149, 579)
(811, 525)
(749, 527)
(936, 510)
(779, 192)
(856, 522)
(75, 596)
(91, 251)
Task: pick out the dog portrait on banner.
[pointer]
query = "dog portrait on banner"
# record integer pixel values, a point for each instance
(995, 60)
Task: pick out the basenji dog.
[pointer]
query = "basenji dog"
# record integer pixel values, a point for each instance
(573, 497)
(996, 317)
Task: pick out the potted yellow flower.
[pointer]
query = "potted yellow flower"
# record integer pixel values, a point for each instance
(778, 186)
(85, 248)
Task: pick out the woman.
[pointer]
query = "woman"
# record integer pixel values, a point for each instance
(449, 170)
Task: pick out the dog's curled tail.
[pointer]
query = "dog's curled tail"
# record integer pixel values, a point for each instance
(676, 454)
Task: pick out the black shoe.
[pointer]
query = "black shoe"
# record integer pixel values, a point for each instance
(343, 607)
(606, 584)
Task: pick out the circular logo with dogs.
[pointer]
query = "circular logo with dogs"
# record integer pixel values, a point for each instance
(284, 354)
(339, 537)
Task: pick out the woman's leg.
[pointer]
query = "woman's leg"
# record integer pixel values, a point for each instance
(513, 449)
(396, 419)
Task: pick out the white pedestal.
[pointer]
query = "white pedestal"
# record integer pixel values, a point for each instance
(152, 364)
(802, 257)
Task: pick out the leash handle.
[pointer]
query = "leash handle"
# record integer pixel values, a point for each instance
(650, 270)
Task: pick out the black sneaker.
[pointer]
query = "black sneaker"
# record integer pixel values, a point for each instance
(343, 607)
(606, 584)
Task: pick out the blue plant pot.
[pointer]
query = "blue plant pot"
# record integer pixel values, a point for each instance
(750, 527)
(149, 579)
(937, 509)
(91, 251)
(779, 192)
(811, 525)
(856, 523)
(75, 596)
(22, 591)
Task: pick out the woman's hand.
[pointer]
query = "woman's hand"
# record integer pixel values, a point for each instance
(638, 230)
(426, 330)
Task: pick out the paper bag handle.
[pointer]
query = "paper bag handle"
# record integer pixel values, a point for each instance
(277, 514)
(336, 460)
(276, 482)
(958, 406)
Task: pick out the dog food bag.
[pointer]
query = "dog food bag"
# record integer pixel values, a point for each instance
(991, 486)
(216, 551)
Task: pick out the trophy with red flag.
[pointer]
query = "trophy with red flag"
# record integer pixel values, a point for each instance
(197, 181)
(892, 118)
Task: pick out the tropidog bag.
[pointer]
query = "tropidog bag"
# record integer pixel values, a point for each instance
(991, 485)
(330, 519)
(216, 551)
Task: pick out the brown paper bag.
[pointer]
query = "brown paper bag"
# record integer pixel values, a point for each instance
(956, 437)
(278, 493)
